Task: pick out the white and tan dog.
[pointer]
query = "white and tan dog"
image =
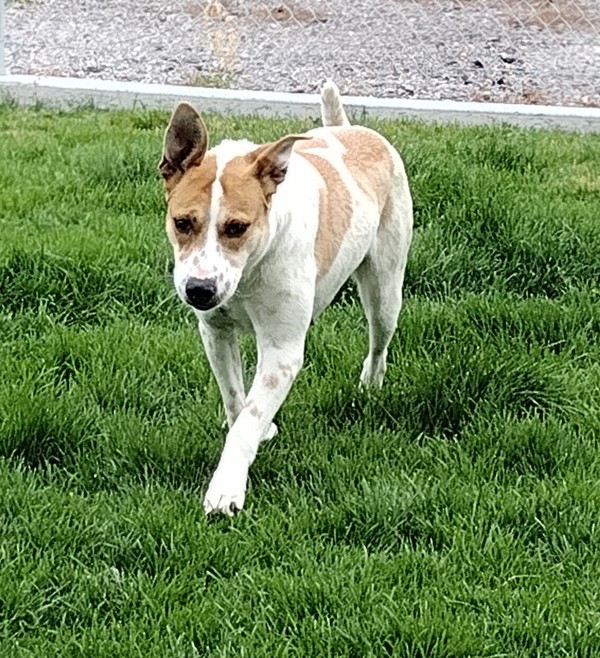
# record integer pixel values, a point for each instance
(264, 237)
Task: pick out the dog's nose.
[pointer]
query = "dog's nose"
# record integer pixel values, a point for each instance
(201, 293)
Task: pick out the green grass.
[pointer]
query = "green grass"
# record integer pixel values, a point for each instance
(454, 513)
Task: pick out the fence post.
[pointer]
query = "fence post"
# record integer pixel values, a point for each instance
(2, 38)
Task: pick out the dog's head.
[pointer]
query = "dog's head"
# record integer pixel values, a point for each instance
(218, 205)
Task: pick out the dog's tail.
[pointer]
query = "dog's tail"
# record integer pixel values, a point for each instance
(332, 110)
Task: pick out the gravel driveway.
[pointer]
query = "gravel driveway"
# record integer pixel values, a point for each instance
(533, 51)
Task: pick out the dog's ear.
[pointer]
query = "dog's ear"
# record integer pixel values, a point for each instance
(186, 141)
(271, 162)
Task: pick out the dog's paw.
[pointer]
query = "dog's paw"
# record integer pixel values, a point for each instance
(227, 491)
(271, 432)
(372, 374)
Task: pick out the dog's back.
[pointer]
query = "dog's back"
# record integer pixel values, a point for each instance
(364, 197)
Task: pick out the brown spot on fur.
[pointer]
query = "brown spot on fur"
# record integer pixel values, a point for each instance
(369, 161)
(271, 162)
(271, 381)
(254, 410)
(335, 207)
(191, 198)
(241, 187)
(243, 201)
(249, 181)
(285, 369)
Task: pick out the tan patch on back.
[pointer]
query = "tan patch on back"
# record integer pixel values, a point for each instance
(369, 160)
(312, 143)
(335, 207)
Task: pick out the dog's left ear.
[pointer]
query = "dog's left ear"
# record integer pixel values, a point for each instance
(271, 162)
(186, 141)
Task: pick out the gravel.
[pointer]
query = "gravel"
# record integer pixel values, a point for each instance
(531, 51)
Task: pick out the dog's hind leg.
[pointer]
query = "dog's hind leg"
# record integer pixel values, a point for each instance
(381, 296)
(380, 278)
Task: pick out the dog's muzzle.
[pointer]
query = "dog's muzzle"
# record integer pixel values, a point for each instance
(201, 293)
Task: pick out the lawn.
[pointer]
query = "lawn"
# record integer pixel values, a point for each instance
(454, 513)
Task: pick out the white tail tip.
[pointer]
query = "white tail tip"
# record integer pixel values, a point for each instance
(332, 110)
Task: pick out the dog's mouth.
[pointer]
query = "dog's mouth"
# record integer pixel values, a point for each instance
(207, 306)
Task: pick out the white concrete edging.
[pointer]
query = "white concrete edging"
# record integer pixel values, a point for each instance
(2, 39)
(68, 93)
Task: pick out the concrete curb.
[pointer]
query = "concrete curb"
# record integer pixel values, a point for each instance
(68, 93)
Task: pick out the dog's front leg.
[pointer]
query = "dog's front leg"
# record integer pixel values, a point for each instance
(277, 369)
(223, 352)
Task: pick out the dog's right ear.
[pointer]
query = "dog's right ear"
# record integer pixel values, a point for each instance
(271, 162)
(186, 141)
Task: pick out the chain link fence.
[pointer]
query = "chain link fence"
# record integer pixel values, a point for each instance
(515, 51)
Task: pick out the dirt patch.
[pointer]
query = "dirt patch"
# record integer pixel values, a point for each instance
(555, 15)
(291, 13)
(284, 13)
(533, 51)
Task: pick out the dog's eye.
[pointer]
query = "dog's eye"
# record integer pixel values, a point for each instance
(183, 225)
(235, 228)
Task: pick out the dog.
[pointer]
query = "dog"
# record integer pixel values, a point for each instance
(264, 236)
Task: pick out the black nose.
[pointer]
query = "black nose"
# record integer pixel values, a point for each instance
(201, 293)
